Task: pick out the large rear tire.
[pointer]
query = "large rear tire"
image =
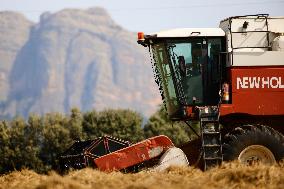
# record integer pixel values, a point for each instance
(250, 144)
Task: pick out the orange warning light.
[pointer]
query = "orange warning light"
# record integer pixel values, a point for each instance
(141, 36)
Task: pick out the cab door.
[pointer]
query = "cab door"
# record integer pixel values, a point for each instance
(212, 70)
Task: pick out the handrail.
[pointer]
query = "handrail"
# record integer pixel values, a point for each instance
(265, 16)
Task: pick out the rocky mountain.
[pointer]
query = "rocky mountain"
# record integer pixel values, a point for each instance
(72, 58)
(14, 29)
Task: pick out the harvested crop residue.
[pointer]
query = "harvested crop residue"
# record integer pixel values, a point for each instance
(227, 176)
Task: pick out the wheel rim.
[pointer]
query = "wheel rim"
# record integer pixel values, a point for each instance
(256, 154)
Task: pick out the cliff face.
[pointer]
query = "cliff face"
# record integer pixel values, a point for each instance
(14, 29)
(79, 58)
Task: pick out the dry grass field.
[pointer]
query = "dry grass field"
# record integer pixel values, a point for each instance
(227, 176)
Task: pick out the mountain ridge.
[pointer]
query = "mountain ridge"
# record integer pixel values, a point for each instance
(79, 58)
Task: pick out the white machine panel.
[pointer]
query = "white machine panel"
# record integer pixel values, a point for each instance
(268, 58)
(250, 40)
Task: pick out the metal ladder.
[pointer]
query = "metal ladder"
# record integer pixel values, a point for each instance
(211, 141)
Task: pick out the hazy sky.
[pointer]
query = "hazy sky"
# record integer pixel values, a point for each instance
(154, 15)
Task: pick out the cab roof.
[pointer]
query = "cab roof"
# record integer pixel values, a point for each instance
(189, 32)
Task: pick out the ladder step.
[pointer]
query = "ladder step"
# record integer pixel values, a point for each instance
(211, 133)
(213, 158)
(209, 119)
(211, 145)
(208, 122)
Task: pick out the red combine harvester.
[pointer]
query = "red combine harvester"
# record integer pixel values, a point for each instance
(230, 79)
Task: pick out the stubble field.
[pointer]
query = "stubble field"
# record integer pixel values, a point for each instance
(230, 175)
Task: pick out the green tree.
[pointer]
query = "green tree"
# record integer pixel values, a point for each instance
(90, 120)
(124, 124)
(33, 141)
(5, 150)
(159, 124)
(17, 143)
(56, 139)
(24, 146)
(74, 125)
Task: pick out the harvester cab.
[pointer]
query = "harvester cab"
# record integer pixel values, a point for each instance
(188, 69)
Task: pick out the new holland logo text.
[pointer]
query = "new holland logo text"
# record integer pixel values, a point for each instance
(260, 82)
